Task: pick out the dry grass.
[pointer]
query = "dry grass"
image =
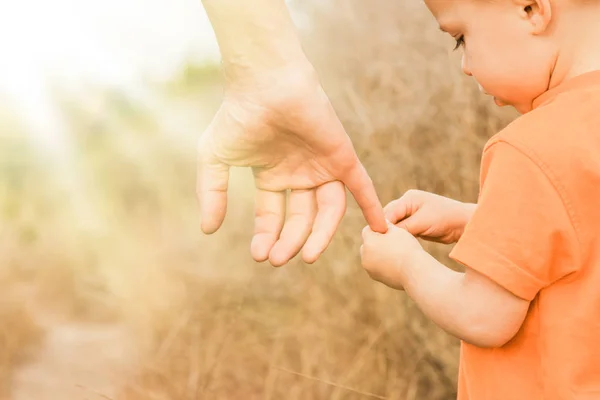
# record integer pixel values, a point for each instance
(119, 240)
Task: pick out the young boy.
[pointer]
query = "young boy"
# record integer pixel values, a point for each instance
(527, 307)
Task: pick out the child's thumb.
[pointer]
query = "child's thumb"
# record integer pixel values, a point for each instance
(400, 225)
(391, 226)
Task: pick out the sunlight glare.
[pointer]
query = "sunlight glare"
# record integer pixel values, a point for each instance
(110, 42)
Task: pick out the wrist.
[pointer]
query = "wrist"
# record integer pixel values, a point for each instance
(254, 37)
(251, 64)
(418, 271)
(297, 75)
(409, 270)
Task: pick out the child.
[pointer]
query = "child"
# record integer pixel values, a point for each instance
(527, 307)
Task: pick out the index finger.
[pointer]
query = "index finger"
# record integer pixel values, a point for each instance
(361, 186)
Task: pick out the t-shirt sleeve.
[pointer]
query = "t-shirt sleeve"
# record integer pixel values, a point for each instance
(521, 235)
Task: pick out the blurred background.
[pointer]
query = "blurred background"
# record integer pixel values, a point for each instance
(109, 290)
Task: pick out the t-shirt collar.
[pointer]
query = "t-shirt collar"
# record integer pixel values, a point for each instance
(579, 82)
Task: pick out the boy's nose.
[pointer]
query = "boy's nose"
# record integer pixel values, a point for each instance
(465, 66)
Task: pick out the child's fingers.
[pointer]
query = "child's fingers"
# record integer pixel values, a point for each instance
(396, 210)
(404, 207)
(417, 224)
(365, 232)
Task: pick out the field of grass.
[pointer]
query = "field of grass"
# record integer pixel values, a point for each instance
(110, 290)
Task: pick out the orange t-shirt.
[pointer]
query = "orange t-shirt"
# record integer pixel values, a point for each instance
(536, 232)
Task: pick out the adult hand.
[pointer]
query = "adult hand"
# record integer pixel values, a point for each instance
(283, 126)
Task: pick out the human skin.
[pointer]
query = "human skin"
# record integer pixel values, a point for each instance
(276, 119)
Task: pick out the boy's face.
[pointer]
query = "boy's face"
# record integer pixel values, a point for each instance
(501, 49)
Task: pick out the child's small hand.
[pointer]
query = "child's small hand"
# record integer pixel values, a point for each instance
(388, 257)
(430, 216)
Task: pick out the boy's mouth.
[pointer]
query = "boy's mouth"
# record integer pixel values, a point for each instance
(498, 102)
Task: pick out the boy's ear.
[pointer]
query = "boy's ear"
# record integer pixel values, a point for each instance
(538, 13)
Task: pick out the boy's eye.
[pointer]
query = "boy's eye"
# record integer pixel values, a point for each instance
(460, 41)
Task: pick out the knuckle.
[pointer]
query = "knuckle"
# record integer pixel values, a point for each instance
(413, 193)
(391, 205)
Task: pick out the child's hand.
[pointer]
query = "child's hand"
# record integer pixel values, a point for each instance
(388, 257)
(430, 216)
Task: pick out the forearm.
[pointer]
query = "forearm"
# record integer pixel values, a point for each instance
(470, 207)
(468, 210)
(254, 36)
(461, 308)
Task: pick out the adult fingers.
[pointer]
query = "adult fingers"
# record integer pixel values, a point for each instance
(211, 191)
(302, 209)
(331, 204)
(361, 186)
(268, 222)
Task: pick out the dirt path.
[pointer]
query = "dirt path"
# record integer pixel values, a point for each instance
(77, 361)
